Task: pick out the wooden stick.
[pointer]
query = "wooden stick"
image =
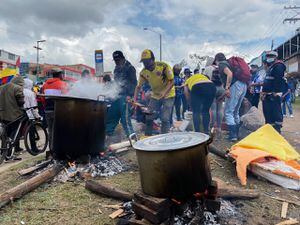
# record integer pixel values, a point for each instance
(237, 193)
(284, 209)
(291, 221)
(283, 200)
(115, 214)
(30, 170)
(29, 185)
(108, 190)
(212, 149)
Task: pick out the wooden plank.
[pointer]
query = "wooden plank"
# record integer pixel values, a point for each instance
(29, 185)
(152, 202)
(153, 216)
(284, 209)
(108, 190)
(30, 170)
(115, 214)
(291, 221)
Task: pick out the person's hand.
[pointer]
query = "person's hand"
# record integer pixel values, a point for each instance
(227, 93)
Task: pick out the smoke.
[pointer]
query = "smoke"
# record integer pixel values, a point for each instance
(88, 88)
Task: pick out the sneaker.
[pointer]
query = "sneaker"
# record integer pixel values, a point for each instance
(292, 116)
(284, 115)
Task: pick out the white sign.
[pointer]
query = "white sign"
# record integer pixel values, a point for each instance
(293, 67)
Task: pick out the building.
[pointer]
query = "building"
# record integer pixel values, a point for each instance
(289, 52)
(71, 72)
(9, 60)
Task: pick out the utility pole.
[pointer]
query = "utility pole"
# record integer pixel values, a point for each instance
(294, 18)
(38, 57)
(272, 45)
(160, 41)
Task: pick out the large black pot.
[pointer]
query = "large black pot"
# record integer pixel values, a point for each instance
(174, 165)
(79, 127)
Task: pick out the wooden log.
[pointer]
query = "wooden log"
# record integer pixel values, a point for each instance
(29, 185)
(108, 190)
(291, 221)
(153, 216)
(152, 202)
(237, 193)
(223, 154)
(117, 146)
(32, 169)
(115, 214)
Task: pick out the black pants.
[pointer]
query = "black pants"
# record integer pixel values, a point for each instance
(202, 97)
(255, 99)
(272, 111)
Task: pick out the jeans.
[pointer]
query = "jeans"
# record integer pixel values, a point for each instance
(272, 111)
(287, 102)
(119, 112)
(163, 108)
(217, 113)
(233, 104)
(202, 97)
(179, 100)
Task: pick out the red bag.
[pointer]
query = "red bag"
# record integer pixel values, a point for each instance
(240, 69)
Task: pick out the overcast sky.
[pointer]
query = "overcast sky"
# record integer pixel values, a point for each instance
(75, 28)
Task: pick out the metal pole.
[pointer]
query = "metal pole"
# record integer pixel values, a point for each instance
(160, 47)
(37, 60)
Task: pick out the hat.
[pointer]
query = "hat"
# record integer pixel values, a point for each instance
(56, 70)
(219, 57)
(147, 54)
(272, 53)
(254, 65)
(118, 55)
(187, 70)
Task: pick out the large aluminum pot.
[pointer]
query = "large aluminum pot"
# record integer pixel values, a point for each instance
(174, 165)
(79, 127)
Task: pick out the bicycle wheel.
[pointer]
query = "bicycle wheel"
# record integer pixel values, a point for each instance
(36, 138)
(3, 150)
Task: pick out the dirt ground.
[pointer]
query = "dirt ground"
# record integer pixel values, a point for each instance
(70, 204)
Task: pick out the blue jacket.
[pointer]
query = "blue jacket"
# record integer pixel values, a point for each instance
(178, 81)
(274, 81)
(125, 76)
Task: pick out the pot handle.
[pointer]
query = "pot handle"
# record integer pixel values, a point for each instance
(132, 137)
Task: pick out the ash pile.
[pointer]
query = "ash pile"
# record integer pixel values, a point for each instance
(106, 165)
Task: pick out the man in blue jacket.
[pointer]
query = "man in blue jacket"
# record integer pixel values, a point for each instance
(125, 76)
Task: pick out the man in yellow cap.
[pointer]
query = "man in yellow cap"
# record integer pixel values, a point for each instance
(160, 77)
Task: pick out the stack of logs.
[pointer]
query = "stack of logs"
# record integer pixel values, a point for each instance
(150, 210)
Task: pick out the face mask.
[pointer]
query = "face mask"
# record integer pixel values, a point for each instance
(270, 60)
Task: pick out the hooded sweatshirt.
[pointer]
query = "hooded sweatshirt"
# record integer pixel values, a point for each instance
(30, 99)
(12, 99)
(53, 86)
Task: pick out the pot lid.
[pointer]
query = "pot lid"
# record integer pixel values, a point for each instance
(171, 141)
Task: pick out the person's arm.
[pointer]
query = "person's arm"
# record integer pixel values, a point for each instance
(168, 88)
(170, 81)
(132, 81)
(141, 81)
(19, 95)
(229, 76)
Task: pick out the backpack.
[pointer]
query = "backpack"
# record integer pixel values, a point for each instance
(240, 69)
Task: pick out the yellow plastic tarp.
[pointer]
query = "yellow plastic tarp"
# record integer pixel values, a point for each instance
(267, 139)
(7, 72)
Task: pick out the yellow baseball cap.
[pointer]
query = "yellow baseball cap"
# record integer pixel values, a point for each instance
(147, 54)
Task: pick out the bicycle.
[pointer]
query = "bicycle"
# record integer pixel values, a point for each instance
(36, 137)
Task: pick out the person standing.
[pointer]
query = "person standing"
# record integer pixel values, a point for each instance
(272, 90)
(235, 85)
(217, 106)
(200, 92)
(161, 80)
(125, 77)
(11, 105)
(287, 100)
(178, 82)
(255, 86)
(53, 86)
